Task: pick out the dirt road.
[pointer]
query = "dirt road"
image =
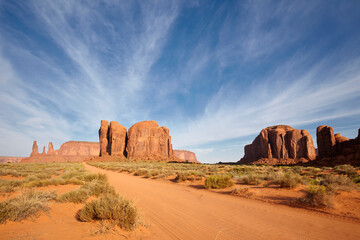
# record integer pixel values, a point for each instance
(176, 211)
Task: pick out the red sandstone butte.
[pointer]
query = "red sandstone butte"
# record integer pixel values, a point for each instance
(186, 156)
(325, 140)
(103, 137)
(148, 141)
(280, 144)
(117, 139)
(335, 149)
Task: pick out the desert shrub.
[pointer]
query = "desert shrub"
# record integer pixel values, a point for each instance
(289, 180)
(317, 196)
(182, 176)
(96, 188)
(29, 203)
(112, 207)
(75, 196)
(348, 170)
(92, 177)
(244, 192)
(218, 181)
(141, 172)
(337, 182)
(251, 179)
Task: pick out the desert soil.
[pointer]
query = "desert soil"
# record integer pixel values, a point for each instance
(174, 211)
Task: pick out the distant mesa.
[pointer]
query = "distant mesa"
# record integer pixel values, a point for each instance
(186, 156)
(5, 159)
(144, 141)
(334, 149)
(280, 144)
(72, 151)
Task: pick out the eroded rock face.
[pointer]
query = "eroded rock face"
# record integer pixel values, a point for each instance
(35, 149)
(44, 151)
(51, 151)
(280, 145)
(148, 141)
(103, 137)
(325, 140)
(117, 139)
(336, 149)
(186, 156)
(76, 148)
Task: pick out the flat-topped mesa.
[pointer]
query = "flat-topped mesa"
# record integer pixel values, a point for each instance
(280, 144)
(35, 149)
(79, 148)
(186, 156)
(148, 141)
(71, 151)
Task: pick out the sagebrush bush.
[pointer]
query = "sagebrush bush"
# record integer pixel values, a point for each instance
(289, 180)
(348, 170)
(111, 207)
(337, 182)
(317, 196)
(28, 203)
(218, 181)
(250, 179)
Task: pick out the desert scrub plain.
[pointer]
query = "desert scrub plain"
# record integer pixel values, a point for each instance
(329, 190)
(30, 191)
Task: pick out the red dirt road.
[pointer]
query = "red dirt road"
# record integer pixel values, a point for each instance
(175, 211)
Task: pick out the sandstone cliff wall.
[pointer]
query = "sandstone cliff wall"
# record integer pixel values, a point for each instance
(280, 145)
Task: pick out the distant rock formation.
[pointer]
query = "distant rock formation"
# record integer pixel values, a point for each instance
(334, 149)
(186, 156)
(148, 141)
(144, 141)
(325, 140)
(112, 139)
(35, 149)
(51, 151)
(103, 137)
(280, 145)
(5, 159)
(72, 151)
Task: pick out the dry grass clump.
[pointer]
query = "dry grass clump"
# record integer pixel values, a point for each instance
(218, 181)
(243, 192)
(317, 196)
(348, 170)
(93, 188)
(250, 179)
(337, 182)
(29, 203)
(289, 180)
(112, 207)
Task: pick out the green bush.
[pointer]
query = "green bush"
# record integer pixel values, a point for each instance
(218, 181)
(317, 196)
(111, 207)
(250, 179)
(289, 180)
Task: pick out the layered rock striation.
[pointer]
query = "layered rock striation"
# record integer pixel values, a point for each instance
(280, 145)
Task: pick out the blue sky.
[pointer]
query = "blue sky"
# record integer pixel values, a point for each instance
(214, 72)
